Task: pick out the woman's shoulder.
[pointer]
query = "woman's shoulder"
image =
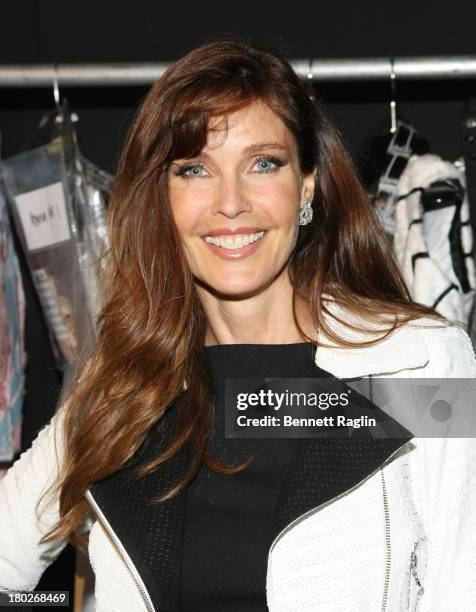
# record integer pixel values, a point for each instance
(450, 350)
(436, 348)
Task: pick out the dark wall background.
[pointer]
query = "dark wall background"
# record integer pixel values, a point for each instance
(35, 31)
(54, 31)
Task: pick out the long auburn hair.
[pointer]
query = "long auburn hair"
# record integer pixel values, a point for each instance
(151, 330)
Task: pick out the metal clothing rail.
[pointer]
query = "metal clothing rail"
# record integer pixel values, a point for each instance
(359, 69)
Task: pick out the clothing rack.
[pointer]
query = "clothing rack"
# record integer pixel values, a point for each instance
(393, 69)
(363, 69)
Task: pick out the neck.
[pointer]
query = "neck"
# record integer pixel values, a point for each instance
(265, 318)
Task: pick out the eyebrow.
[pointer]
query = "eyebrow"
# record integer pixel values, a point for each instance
(255, 148)
(266, 145)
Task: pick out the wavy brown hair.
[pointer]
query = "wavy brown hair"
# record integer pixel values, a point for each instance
(151, 330)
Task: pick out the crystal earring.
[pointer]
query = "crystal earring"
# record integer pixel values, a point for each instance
(305, 213)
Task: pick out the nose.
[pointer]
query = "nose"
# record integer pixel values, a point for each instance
(231, 198)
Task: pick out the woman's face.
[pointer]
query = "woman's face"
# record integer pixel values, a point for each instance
(245, 185)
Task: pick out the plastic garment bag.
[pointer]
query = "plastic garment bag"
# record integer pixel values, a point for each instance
(58, 202)
(91, 191)
(12, 353)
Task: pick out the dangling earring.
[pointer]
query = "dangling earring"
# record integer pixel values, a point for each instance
(305, 213)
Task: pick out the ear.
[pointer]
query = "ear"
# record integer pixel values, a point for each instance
(308, 187)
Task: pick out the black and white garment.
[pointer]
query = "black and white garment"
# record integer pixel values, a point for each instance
(433, 238)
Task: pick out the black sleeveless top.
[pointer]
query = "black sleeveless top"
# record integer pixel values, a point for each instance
(227, 526)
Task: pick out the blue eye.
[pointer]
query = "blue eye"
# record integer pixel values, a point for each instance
(264, 165)
(195, 170)
(269, 164)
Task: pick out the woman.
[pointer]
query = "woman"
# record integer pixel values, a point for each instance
(243, 245)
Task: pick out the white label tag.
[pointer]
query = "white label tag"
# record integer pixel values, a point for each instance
(43, 216)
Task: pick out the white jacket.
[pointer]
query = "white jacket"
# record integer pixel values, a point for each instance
(352, 553)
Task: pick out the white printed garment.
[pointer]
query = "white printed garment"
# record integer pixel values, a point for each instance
(433, 242)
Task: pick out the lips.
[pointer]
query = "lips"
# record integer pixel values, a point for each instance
(231, 231)
(238, 253)
(235, 241)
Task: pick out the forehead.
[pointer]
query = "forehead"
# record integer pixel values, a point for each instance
(255, 123)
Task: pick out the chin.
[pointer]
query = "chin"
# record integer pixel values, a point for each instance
(230, 290)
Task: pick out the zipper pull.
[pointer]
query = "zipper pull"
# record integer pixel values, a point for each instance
(413, 564)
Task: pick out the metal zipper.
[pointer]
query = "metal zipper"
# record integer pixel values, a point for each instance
(329, 501)
(388, 549)
(121, 551)
(388, 555)
(413, 564)
(413, 572)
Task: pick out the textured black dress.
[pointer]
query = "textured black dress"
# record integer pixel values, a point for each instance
(228, 517)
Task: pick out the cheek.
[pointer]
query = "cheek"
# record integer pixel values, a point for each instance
(281, 202)
(284, 186)
(187, 210)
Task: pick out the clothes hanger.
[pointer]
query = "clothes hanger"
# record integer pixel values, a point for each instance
(48, 128)
(393, 101)
(310, 76)
(385, 154)
(56, 96)
(374, 157)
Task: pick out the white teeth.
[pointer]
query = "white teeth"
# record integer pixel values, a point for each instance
(234, 242)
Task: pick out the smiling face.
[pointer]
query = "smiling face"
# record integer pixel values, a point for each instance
(236, 205)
